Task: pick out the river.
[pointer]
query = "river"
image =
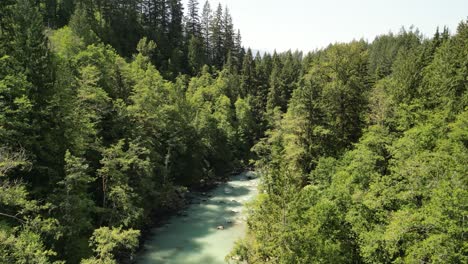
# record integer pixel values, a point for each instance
(206, 231)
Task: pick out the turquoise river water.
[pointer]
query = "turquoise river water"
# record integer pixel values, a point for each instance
(205, 232)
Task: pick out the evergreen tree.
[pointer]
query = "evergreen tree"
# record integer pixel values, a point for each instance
(196, 56)
(361, 146)
(75, 207)
(245, 126)
(444, 81)
(193, 23)
(263, 70)
(248, 76)
(5, 22)
(217, 38)
(119, 25)
(83, 24)
(206, 19)
(276, 95)
(176, 39)
(290, 72)
(156, 19)
(15, 91)
(65, 9)
(228, 33)
(28, 47)
(27, 44)
(238, 51)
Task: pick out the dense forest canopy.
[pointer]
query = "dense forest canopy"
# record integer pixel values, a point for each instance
(368, 163)
(110, 110)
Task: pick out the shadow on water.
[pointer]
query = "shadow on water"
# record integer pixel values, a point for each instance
(206, 231)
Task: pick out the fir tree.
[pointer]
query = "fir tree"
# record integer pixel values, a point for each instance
(238, 52)
(196, 56)
(217, 38)
(207, 16)
(176, 39)
(228, 33)
(248, 76)
(193, 23)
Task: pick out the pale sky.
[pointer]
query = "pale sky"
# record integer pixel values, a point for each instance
(310, 24)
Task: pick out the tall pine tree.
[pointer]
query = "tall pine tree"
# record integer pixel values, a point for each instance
(207, 16)
(217, 38)
(228, 33)
(193, 24)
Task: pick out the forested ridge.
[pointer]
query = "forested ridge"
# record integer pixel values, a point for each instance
(111, 110)
(368, 164)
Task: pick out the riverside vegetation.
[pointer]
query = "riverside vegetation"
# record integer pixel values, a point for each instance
(110, 109)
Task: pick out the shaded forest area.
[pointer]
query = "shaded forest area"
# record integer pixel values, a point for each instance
(110, 110)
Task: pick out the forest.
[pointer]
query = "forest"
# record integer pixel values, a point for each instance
(110, 111)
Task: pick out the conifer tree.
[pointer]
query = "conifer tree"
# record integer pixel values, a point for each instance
(176, 39)
(155, 22)
(238, 51)
(28, 45)
(228, 33)
(28, 48)
(248, 76)
(196, 56)
(83, 24)
(263, 68)
(216, 36)
(119, 25)
(75, 207)
(276, 95)
(207, 16)
(193, 24)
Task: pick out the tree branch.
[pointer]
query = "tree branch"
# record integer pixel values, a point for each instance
(13, 217)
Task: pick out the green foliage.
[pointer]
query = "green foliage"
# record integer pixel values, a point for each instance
(22, 228)
(107, 242)
(110, 141)
(362, 146)
(25, 248)
(361, 174)
(196, 56)
(65, 43)
(27, 44)
(75, 207)
(444, 80)
(119, 200)
(15, 106)
(385, 49)
(82, 24)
